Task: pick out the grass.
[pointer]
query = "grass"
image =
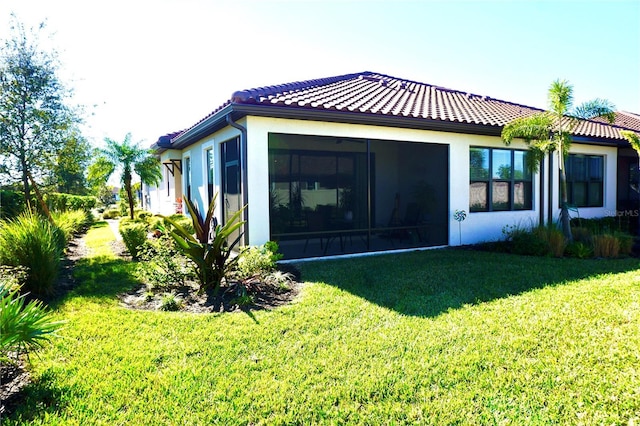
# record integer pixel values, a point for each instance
(437, 337)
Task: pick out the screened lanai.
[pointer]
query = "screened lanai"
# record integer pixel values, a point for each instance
(332, 195)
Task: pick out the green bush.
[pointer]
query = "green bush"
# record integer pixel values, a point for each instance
(258, 260)
(33, 242)
(134, 235)
(170, 302)
(111, 214)
(181, 220)
(162, 265)
(11, 204)
(525, 242)
(626, 242)
(142, 214)
(579, 250)
(210, 247)
(24, 327)
(64, 202)
(553, 237)
(70, 221)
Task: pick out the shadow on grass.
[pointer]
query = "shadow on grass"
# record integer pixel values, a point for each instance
(38, 398)
(100, 276)
(428, 283)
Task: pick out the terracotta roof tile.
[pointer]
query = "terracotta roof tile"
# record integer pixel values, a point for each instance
(373, 93)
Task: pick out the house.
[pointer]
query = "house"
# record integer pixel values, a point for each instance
(369, 162)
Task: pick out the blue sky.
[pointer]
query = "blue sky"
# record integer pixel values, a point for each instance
(152, 67)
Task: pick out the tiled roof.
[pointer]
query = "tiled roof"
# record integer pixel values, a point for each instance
(625, 119)
(373, 94)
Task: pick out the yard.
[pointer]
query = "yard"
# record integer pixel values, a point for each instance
(432, 337)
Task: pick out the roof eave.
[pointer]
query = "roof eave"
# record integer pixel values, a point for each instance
(218, 121)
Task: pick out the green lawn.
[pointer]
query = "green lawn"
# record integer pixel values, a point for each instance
(435, 337)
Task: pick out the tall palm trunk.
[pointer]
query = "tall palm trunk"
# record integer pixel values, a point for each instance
(127, 188)
(565, 220)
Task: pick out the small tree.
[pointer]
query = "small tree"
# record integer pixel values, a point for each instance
(69, 172)
(129, 158)
(33, 114)
(550, 131)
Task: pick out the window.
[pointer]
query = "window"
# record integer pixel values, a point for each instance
(585, 180)
(210, 172)
(499, 180)
(187, 175)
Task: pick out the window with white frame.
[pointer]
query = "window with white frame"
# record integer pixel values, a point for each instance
(187, 176)
(209, 155)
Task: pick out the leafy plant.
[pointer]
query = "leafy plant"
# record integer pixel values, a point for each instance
(162, 265)
(24, 327)
(111, 214)
(209, 249)
(170, 302)
(134, 234)
(579, 250)
(258, 260)
(280, 280)
(33, 242)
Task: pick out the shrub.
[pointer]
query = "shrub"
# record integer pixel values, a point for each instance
(11, 203)
(64, 202)
(525, 242)
(181, 220)
(626, 242)
(111, 214)
(162, 265)
(170, 302)
(142, 214)
(209, 249)
(554, 238)
(579, 250)
(258, 260)
(134, 235)
(23, 327)
(582, 235)
(606, 245)
(33, 242)
(282, 281)
(70, 221)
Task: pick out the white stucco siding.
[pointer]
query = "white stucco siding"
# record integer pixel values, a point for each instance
(477, 227)
(198, 154)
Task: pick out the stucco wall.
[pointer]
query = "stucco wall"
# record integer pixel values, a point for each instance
(478, 227)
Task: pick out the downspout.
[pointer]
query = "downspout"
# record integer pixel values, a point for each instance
(243, 171)
(550, 197)
(542, 195)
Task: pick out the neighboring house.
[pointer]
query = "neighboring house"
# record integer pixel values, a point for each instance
(369, 162)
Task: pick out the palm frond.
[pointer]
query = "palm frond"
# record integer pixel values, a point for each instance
(533, 128)
(633, 139)
(596, 108)
(560, 97)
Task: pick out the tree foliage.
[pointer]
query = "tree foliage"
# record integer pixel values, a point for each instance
(69, 171)
(550, 131)
(130, 158)
(34, 115)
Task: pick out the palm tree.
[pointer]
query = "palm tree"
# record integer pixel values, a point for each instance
(129, 158)
(550, 131)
